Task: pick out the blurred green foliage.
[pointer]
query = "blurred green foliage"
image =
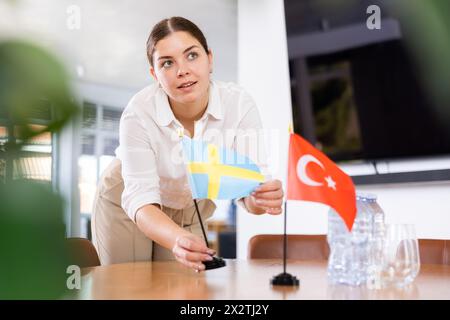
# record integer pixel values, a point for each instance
(28, 74)
(33, 257)
(427, 31)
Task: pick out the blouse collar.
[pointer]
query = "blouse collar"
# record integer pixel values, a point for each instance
(165, 116)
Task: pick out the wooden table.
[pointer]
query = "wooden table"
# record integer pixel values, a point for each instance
(244, 279)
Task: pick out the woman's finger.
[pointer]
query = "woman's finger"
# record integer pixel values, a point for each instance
(190, 255)
(197, 257)
(198, 266)
(270, 195)
(271, 185)
(274, 211)
(269, 203)
(192, 245)
(183, 256)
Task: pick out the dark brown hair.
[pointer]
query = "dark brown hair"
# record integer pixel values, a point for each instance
(167, 26)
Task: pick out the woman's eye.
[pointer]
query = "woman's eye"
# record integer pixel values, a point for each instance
(166, 64)
(192, 55)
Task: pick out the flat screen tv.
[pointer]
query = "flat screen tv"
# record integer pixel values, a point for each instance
(369, 103)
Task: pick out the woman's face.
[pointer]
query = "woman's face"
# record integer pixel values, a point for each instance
(182, 67)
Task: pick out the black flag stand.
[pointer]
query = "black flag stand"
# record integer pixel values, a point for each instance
(217, 262)
(285, 279)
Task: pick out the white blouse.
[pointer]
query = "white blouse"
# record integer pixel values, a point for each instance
(150, 148)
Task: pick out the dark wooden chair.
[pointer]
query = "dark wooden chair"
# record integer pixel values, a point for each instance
(315, 247)
(434, 251)
(299, 247)
(82, 252)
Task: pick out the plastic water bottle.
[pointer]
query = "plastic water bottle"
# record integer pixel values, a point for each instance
(349, 258)
(376, 243)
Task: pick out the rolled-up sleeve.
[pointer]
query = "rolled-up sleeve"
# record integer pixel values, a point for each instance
(139, 170)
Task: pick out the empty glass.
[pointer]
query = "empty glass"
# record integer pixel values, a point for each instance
(400, 257)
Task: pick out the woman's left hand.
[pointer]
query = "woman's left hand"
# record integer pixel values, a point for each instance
(269, 196)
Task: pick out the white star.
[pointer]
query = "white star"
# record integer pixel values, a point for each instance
(331, 183)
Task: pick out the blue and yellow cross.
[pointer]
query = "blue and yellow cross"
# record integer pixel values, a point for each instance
(219, 173)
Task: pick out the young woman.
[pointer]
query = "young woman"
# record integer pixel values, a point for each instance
(144, 208)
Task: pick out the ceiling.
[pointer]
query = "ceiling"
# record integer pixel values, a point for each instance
(107, 46)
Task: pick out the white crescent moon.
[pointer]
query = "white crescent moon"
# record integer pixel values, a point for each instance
(301, 170)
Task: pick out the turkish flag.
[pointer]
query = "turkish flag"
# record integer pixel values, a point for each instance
(312, 176)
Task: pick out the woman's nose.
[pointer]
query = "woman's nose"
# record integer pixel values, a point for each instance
(182, 71)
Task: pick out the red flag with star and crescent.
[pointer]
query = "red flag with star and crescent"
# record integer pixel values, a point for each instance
(312, 176)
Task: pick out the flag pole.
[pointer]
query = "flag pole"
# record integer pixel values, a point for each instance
(285, 279)
(285, 238)
(201, 223)
(216, 262)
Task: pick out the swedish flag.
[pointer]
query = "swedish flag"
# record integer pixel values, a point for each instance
(218, 173)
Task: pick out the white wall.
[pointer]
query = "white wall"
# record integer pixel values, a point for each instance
(427, 205)
(108, 44)
(263, 70)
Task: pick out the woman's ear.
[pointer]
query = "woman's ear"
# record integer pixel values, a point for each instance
(210, 59)
(153, 73)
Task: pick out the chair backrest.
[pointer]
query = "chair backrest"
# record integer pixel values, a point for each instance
(315, 247)
(434, 251)
(82, 252)
(299, 247)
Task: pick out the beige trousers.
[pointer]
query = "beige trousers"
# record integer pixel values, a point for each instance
(117, 238)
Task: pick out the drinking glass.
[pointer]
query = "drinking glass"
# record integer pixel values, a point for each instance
(400, 257)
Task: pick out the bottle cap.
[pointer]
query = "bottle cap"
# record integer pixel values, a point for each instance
(370, 197)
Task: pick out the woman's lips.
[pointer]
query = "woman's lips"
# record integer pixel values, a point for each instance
(187, 86)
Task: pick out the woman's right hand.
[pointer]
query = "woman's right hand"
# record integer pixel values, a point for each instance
(190, 250)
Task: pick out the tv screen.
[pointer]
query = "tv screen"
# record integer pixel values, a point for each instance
(363, 102)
